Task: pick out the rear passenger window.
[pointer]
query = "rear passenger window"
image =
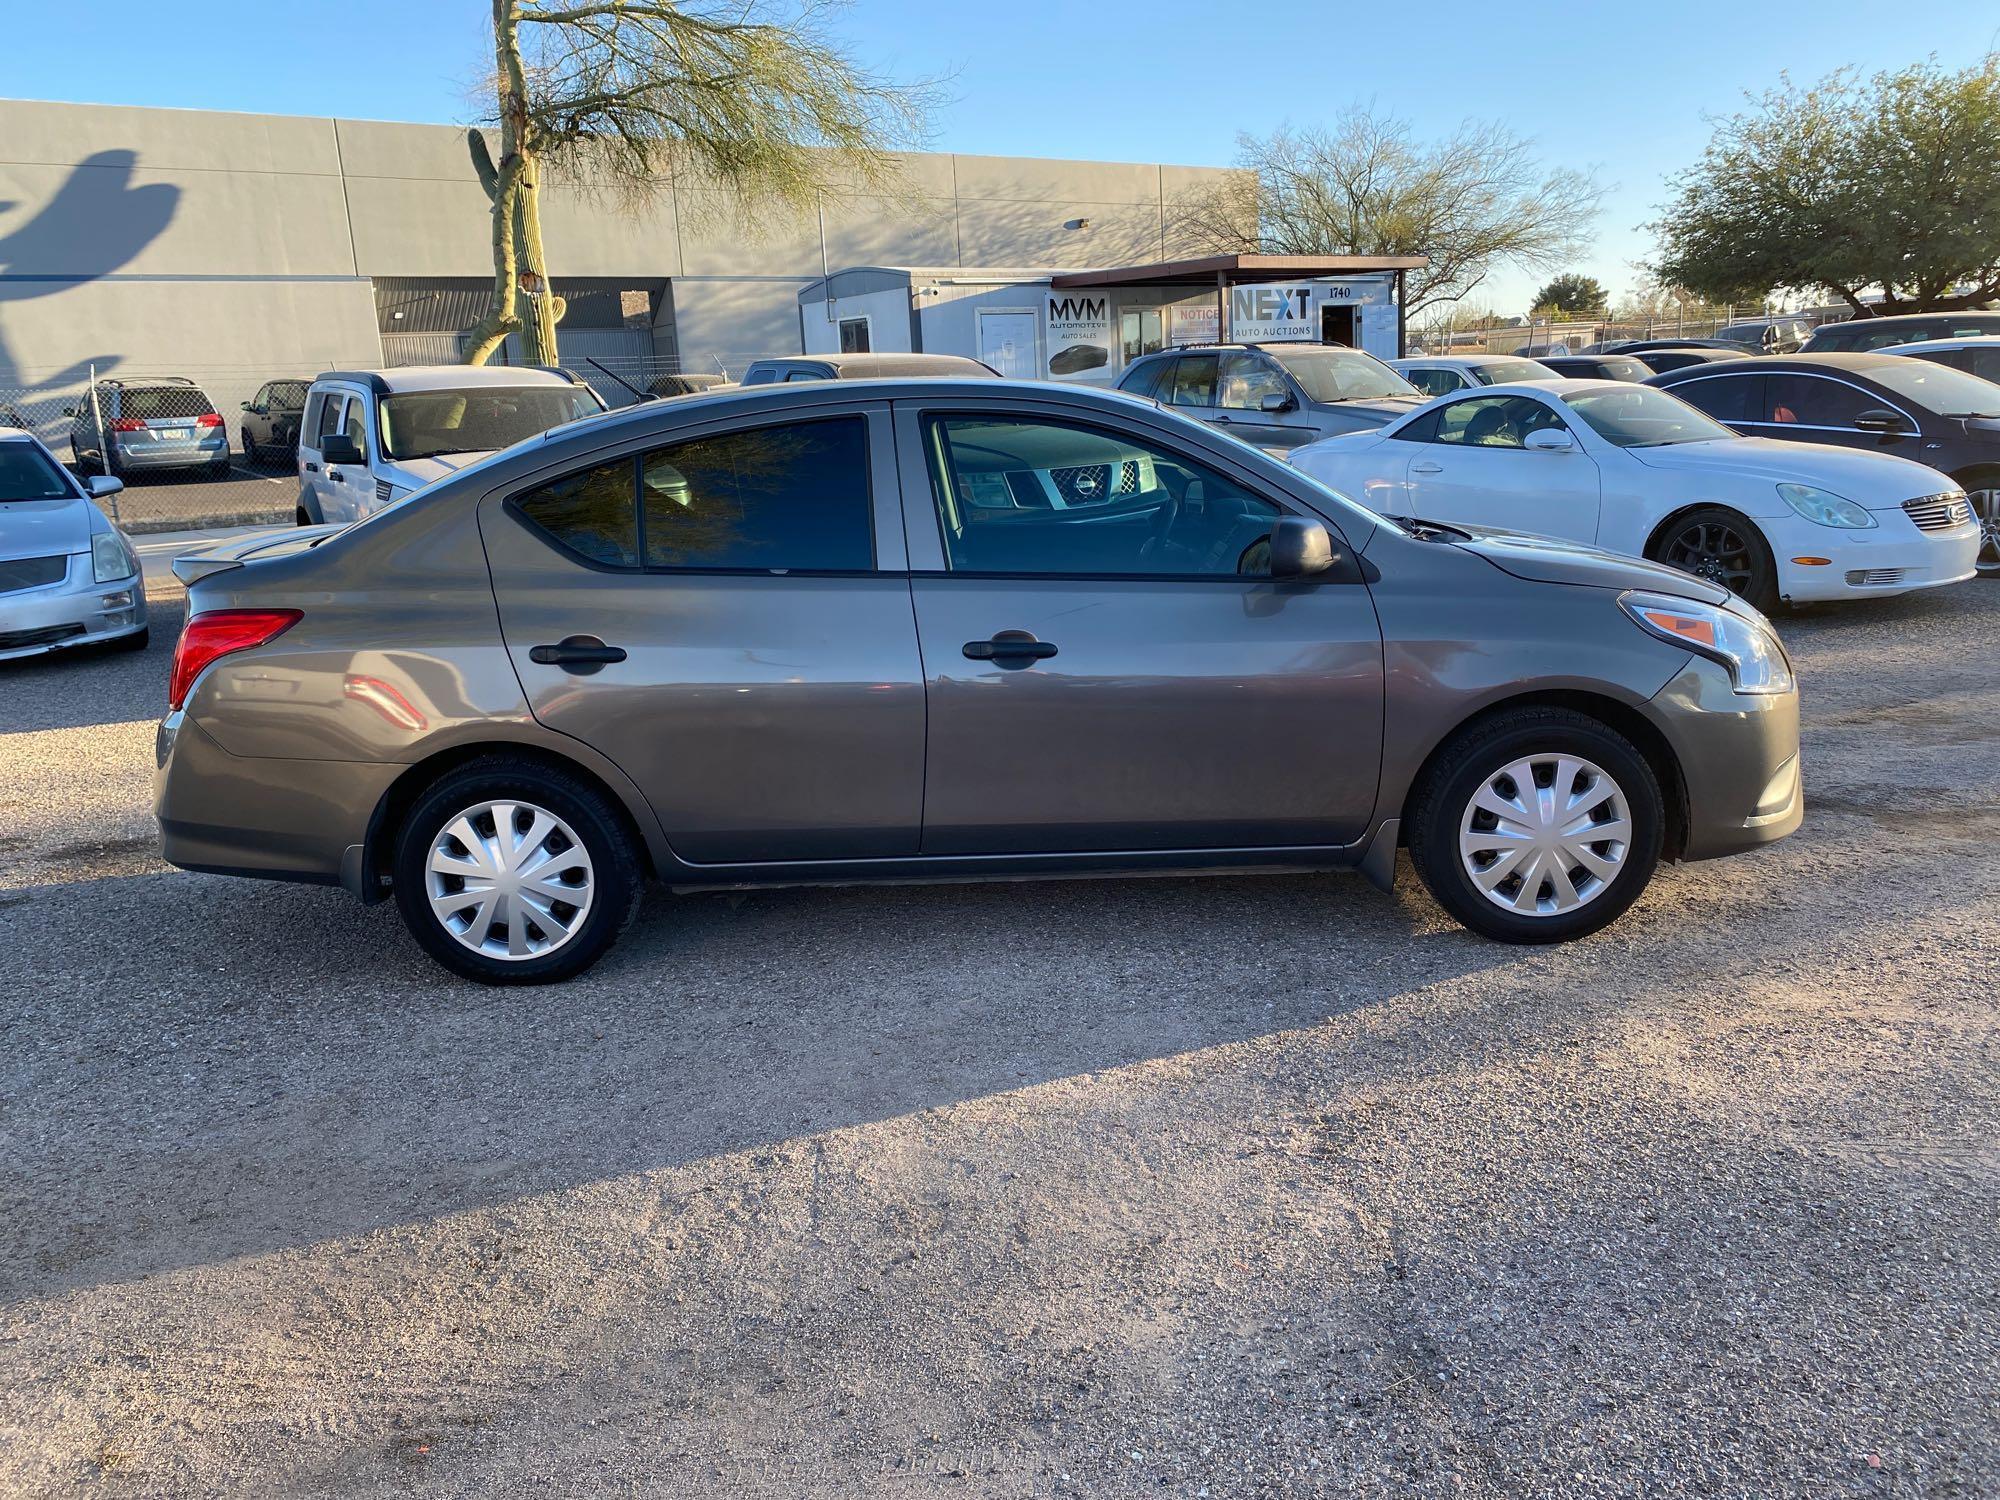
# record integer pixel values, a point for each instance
(590, 514)
(1194, 381)
(1145, 380)
(1730, 399)
(775, 499)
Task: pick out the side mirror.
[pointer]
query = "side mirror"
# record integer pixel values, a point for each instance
(1300, 548)
(1879, 419)
(339, 448)
(245, 406)
(1549, 440)
(1275, 401)
(103, 484)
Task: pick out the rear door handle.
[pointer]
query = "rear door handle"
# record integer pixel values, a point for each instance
(581, 654)
(312, 468)
(1010, 648)
(1426, 468)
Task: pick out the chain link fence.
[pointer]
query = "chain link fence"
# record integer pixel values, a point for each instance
(205, 445)
(1578, 333)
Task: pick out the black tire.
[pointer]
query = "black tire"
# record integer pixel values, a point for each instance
(250, 458)
(617, 877)
(1468, 762)
(1982, 487)
(1723, 547)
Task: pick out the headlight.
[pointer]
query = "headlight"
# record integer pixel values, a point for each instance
(110, 558)
(1824, 508)
(1739, 639)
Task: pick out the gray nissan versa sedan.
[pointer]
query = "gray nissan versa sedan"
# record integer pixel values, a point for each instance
(908, 629)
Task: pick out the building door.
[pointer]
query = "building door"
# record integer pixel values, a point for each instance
(1340, 324)
(1007, 343)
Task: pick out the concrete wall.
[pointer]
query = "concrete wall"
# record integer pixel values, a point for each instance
(177, 239)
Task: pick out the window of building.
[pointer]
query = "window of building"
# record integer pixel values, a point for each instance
(854, 335)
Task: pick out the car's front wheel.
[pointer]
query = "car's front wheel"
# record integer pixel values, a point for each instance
(1982, 489)
(1537, 826)
(512, 871)
(1724, 548)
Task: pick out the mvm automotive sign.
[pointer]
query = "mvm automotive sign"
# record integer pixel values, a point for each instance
(1270, 312)
(1079, 336)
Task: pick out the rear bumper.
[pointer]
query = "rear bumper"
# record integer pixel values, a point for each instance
(170, 455)
(76, 612)
(271, 818)
(1739, 759)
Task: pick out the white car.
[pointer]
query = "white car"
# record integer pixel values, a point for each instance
(68, 577)
(1975, 355)
(1441, 374)
(1633, 469)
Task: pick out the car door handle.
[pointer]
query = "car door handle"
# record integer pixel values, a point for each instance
(1010, 646)
(312, 468)
(1426, 468)
(581, 654)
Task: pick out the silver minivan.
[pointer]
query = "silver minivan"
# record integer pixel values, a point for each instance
(369, 437)
(944, 629)
(1275, 396)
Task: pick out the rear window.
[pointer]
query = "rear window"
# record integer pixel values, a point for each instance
(155, 403)
(287, 395)
(1143, 379)
(791, 498)
(27, 474)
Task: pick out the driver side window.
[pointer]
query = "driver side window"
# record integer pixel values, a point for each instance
(1017, 495)
(1493, 421)
(1247, 379)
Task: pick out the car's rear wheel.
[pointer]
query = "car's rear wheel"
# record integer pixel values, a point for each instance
(512, 871)
(1536, 826)
(1723, 548)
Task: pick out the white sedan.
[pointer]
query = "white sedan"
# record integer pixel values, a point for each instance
(1633, 469)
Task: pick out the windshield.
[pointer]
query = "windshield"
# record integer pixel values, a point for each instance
(1642, 417)
(1509, 371)
(27, 474)
(420, 424)
(1341, 374)
(1939, 388)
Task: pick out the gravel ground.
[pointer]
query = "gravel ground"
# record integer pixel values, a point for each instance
(1229, 1187)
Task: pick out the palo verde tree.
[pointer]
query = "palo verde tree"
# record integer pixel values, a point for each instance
(1889, 182)
(754, 102)
(1472, 202)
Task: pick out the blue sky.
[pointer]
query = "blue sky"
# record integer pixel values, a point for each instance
(1620, 89)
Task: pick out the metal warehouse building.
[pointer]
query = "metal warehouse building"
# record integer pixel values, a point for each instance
(172, 240)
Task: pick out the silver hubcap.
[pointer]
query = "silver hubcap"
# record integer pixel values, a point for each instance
(509, 879)
(1986, 506)
(1545, 834)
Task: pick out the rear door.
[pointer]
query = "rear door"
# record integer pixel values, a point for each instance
(1473, 467)
(727, 617)
(1120, 673)
(1192, 390)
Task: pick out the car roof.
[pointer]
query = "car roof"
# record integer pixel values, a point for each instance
(1963, 341)
(1831, 361)
(448, 377)
(867, 366)
(1894, 320)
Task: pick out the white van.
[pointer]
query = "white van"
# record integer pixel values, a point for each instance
(369, 437)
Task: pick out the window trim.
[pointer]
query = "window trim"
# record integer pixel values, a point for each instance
(927, 419)
(634, 457)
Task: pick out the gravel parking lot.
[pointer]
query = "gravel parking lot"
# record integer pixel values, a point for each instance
(1248, 1186)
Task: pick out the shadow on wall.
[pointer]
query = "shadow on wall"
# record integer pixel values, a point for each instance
(95, 223)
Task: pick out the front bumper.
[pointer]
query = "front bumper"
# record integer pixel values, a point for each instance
(1892, 559)
(75, 612)
(1739, 760)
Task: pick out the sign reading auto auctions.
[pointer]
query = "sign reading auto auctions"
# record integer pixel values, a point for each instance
(1079, 335)
(1264, 313)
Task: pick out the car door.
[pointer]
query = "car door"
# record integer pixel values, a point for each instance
(1192, 388)
(1123, 674)
(350, 486)
(254, 426)
(1806, 408)
(1473, 467)
(323, 416)
(726, 616)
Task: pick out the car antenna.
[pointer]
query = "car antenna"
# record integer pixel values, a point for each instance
(642, 395)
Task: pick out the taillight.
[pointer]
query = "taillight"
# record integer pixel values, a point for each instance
(127, 424)
(216, 633)
(208, 419)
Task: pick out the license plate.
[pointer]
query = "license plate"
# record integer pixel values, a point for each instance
(173, 434)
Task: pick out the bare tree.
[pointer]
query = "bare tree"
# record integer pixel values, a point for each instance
(1364, 186)
(754, 100)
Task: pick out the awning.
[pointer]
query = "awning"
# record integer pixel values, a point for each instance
(1232, 270)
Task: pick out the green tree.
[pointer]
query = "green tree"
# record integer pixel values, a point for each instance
(1889, 182)
(1477, 200)
(1570, 292)
(753, 101)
